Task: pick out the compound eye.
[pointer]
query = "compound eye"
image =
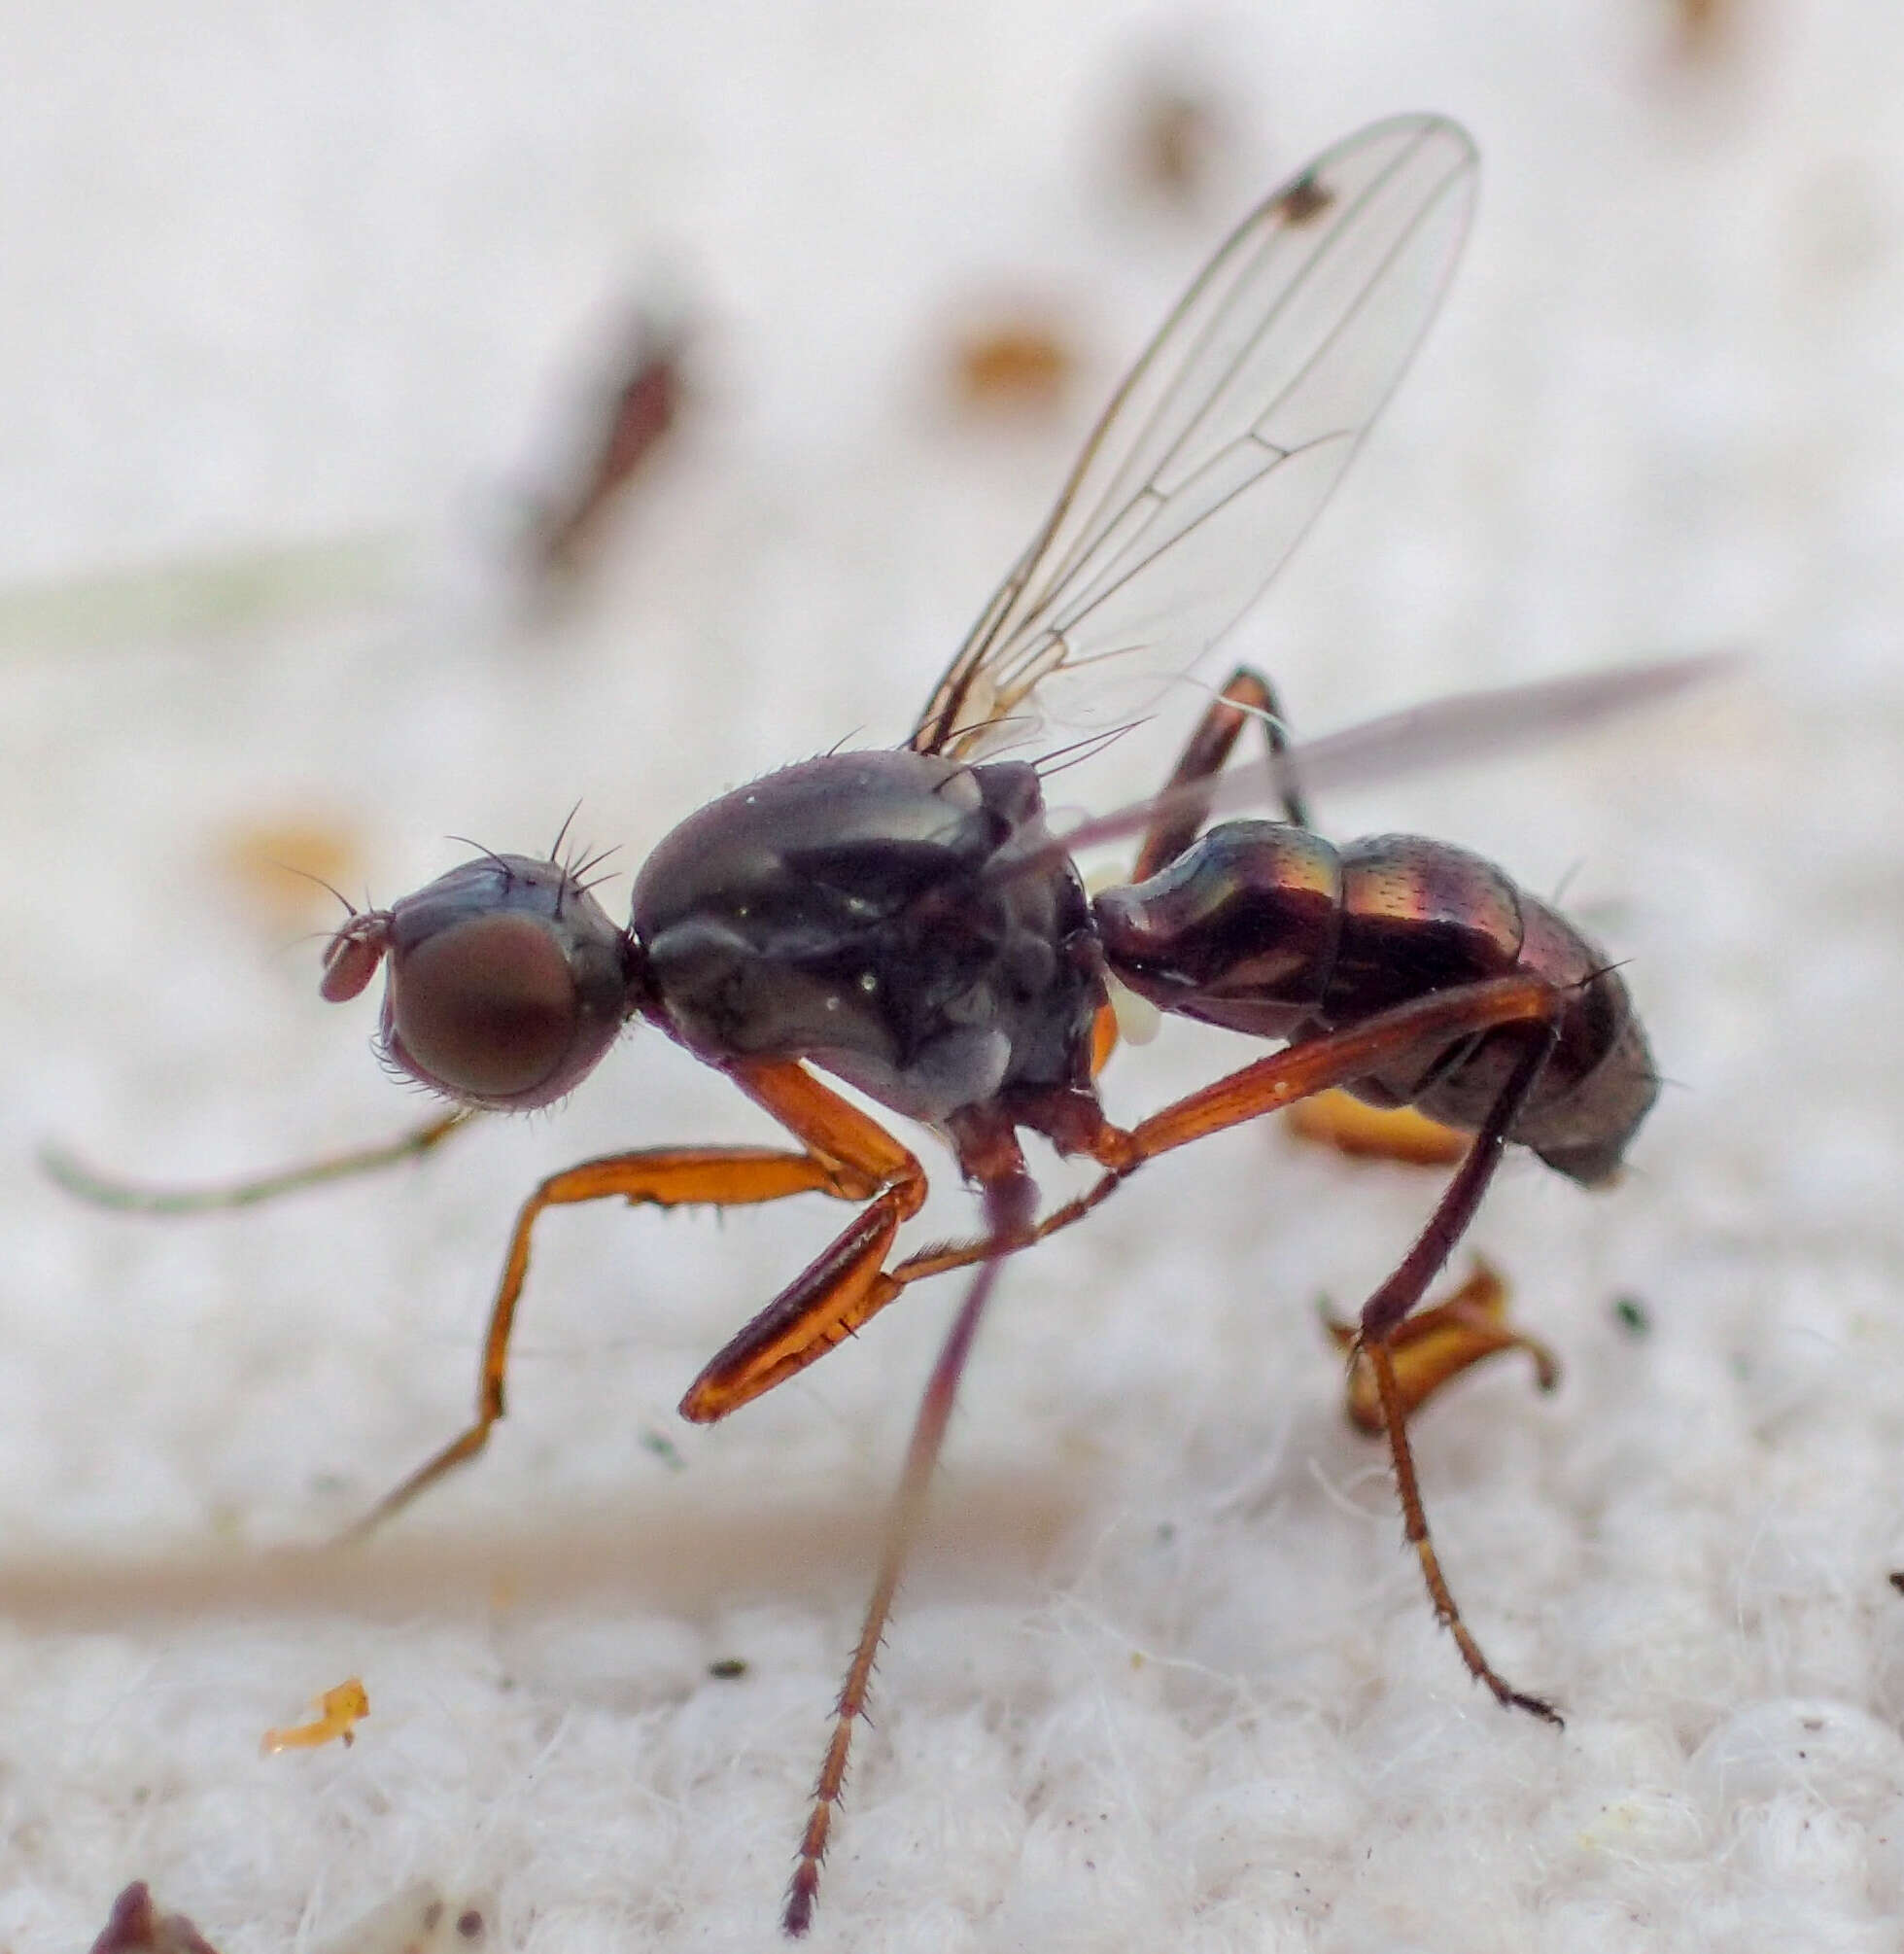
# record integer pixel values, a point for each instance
(505, 982)
(486, 1008)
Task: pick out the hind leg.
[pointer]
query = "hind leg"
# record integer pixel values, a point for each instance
(1246, 696)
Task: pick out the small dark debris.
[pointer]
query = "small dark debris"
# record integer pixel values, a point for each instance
(632, 415)
(1897, 1581)
(1631, 1315)
(469, 1924)
(1179, 132)
(1704, 28)
(664, 1448)
(135, 1926)
(729, 1669)
(1306, 200)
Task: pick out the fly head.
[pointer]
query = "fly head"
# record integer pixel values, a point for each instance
(504, 981)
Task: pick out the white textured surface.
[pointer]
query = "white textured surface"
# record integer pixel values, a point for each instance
(1164, 1678)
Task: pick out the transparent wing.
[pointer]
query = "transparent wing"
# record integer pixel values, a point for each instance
(1222, 443)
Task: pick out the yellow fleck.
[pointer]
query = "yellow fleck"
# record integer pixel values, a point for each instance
(338, 1712)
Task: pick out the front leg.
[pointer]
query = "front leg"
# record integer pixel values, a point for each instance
(847, 1155)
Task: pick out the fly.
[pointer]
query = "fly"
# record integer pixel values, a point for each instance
(907, 922)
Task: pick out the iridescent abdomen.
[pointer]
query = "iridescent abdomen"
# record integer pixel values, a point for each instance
(1270, 930)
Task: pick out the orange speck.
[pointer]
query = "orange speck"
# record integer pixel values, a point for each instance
(1364, 1131)
(338, 1712)
(1017, 365)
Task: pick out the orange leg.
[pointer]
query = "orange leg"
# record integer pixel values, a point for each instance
(1267, 1086)
(1524, 1002)
(811, 1317)
(847, 1156)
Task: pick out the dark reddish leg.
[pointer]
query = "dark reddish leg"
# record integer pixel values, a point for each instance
(1247, 696)
(1268, 1086)
(1523, 1001)
(1384, 1313)
(989, 1155)
(804, 1323)
(1438, 1344)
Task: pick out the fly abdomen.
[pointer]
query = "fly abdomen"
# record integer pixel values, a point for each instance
(1448, 916)
(1239, 930)
(1268, 929)
(1599, 1084)
(1419, 917)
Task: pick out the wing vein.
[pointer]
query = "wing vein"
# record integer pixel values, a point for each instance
(1224, 440)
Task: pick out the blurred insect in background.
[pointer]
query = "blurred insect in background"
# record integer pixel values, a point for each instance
(907, 922)
(634, 410)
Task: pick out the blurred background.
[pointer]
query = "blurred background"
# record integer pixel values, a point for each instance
(426, 423)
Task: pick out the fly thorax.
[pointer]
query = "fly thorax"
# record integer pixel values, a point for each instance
(851, 911)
